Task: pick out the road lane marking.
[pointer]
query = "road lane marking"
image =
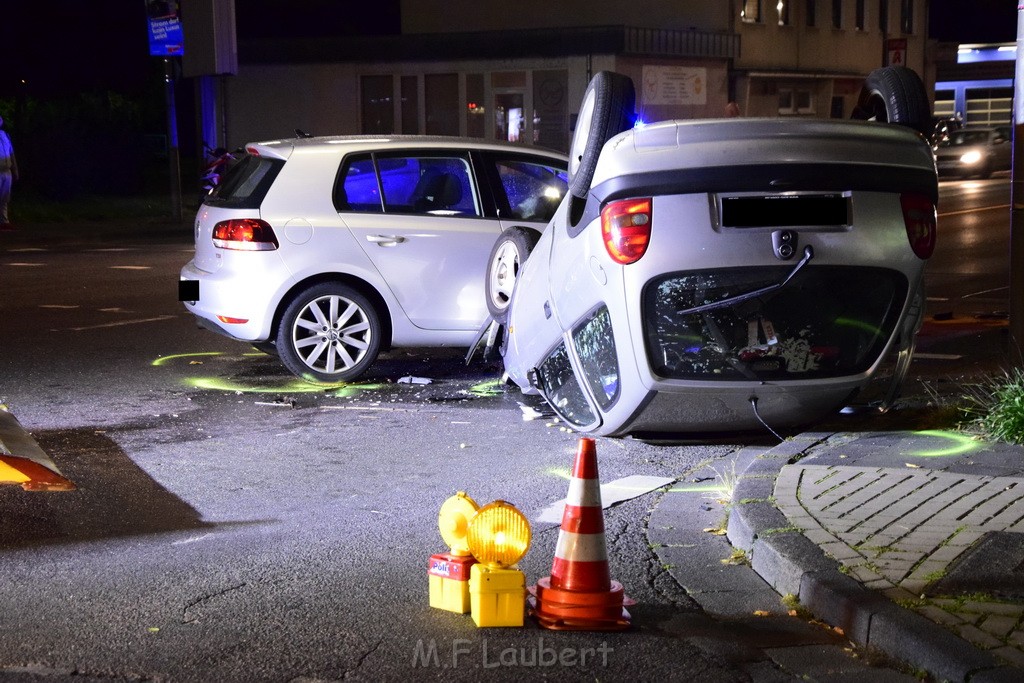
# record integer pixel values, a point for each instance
(25, 265)
(119, 324)
(59, 306)
(980, 208)
(131, 267)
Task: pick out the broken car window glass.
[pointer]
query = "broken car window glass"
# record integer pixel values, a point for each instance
(595, 346)
(826, 322)
(562, 391)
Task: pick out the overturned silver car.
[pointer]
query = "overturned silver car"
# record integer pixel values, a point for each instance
(722, 275)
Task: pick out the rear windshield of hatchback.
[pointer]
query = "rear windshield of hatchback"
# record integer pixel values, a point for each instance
(246, 183)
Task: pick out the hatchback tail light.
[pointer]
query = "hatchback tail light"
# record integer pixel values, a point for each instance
(920, 222)
(626, 229)
(245, 234)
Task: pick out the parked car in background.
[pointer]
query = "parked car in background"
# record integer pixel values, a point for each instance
(975, 151)
(329, 250)
(706, 276)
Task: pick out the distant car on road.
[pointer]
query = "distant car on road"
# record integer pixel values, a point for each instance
(975, 151)
(328, 250)
(709, 276)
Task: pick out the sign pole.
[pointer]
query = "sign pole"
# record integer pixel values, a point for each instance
(1016, 357)
(173, 157)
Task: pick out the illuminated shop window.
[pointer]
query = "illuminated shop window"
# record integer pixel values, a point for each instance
(751, 12)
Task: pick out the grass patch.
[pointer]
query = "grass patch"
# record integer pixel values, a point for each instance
(994, 408)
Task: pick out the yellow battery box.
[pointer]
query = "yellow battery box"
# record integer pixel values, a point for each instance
(497, 596)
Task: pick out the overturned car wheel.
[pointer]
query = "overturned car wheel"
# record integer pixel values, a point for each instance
(894, 94)
(607, 110)
(507, 257)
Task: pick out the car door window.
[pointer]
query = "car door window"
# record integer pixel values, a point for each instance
(595, 346)
(562, 391)
(357, 188)
(428, 184)
(533, 190)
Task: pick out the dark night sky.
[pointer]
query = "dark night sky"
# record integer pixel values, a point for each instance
(59, 45)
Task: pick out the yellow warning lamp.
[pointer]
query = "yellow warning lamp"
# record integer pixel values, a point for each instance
(448, 573)
(499, 536)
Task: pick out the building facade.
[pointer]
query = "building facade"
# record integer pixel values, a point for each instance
(810, 57)
(460, 67)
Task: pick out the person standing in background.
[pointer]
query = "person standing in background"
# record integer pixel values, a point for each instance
(8, 174)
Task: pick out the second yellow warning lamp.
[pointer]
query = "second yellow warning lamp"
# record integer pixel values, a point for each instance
(499, 536)
(477, 575)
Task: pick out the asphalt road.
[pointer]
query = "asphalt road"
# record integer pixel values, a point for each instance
(231, 524)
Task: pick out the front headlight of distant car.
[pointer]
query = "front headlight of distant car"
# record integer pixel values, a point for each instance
(971, 158)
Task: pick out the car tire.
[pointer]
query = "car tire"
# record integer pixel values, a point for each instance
(508, 255)
(895, 94)
(607, 110)
(329, 333)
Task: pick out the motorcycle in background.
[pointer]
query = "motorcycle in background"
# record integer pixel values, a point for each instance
(215, 165)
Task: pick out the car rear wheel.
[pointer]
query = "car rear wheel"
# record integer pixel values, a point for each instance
(329, 333)
(894, 94)
(607, 110)
(507, 257)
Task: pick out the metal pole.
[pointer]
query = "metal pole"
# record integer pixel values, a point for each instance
(172, 141)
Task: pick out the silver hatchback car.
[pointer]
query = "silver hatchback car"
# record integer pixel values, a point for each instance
(328, 250)
(722, 275)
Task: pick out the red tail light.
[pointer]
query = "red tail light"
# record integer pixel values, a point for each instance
(245, 234)
(919, 219)
(626, 229)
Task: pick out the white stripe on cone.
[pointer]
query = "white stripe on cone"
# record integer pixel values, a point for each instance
(584, 493)
(581, 547)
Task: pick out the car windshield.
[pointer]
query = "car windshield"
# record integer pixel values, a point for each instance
(967, 137)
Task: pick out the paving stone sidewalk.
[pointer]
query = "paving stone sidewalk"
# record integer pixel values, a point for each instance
(866, 526)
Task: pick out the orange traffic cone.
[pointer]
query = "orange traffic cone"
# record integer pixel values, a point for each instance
(580, 595)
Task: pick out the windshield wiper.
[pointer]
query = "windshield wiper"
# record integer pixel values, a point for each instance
(728, 301)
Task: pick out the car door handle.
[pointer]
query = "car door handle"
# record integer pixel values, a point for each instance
(385, 240)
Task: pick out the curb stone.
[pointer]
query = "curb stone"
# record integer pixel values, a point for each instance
(793, 564)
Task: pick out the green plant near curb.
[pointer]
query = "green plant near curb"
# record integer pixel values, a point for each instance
(780, 530)
(793, 606)
(995, 407)
(738, 556)
(750, 501)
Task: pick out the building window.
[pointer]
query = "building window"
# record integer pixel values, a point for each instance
(907, 16)
(837, 13)
(410, 106)
(441, 95)
(804, 102)
(783, 8)
(812, 14)
(475, 105)
(751, 12)
(859, 19)
(883, 16)
(378, 109)
(796, 102)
